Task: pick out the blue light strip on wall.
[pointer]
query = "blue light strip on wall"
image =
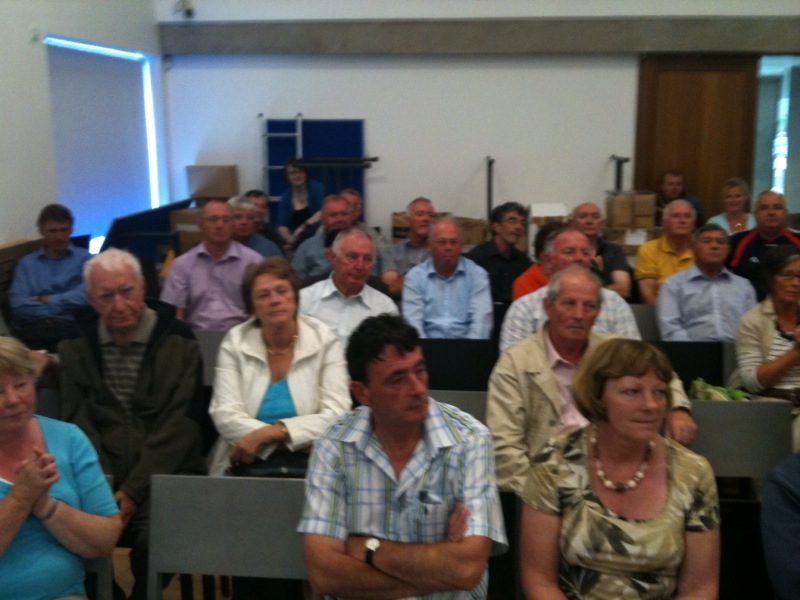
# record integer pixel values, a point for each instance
(149, 105)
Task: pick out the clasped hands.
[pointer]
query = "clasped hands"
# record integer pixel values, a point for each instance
(35, 476)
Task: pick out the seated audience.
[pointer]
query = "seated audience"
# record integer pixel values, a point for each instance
(525, 315)
(614, 509)
(48, 284)
(736, 215)
(768, 339)
(344, 299)
(448, 295)
(399, 258)
(705, 302)
(244, 228)
(609, 260)
(309, 260)
(500, 257)
(748, 247)
(203, 284)
(263, 226)
(672, 188)
(780, 527)
(401, 500)
(280, 382)
(128, 381)
(300, 205)
(56, 508)
(529, 398)
(671, 253)
(535, 277)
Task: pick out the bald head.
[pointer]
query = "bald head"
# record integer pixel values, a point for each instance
(588, 219)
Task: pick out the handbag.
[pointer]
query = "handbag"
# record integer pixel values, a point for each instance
(280, 463)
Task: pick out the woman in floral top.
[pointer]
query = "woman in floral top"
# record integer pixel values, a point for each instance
(615, 510)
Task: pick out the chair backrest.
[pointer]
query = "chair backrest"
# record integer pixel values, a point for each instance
(459, 364)
(645, 315)
(471, 402)
(741, 438)
(103, 567)
(209, 346)
(239, 526)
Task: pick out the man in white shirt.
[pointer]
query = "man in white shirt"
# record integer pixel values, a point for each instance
(343, 300)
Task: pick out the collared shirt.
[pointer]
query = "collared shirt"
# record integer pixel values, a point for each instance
(748, 249)
(502, 269)
(60, 279)
(526, 315)
(403, 256)
(210, 291)
(564, 372)
(459, 306)
(656, 260)
(262, 245)
(309, 259)
(352, 489)
(326, 303)
(693, 307)
(122, 364)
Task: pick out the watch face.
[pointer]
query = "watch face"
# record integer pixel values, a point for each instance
(373, 544)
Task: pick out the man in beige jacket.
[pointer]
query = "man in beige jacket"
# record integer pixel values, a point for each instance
(530, 397)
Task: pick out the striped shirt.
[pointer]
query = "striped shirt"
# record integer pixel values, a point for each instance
(526, 315)
(351, 487)
(122, 364)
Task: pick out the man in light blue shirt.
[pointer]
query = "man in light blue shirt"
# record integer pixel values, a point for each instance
(401, 497)
(448, 295)
(48, 284)
(344, 299)
(705, 302)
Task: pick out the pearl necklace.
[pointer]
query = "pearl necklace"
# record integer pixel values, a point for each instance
(281, 352)
(619, 486)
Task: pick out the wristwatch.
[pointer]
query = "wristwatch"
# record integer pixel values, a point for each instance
(372, 545)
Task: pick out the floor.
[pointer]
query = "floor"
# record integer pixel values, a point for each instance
(123, 576)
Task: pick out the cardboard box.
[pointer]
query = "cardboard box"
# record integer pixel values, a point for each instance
(212, 181)
(474, 231)
(631, 210)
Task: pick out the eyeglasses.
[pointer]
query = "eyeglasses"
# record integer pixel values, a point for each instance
(216, 220)
(514, 221)
(789, 275)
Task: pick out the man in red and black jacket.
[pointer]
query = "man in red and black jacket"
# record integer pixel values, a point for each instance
(748, 247)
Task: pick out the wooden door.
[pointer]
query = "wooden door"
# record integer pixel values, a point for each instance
(696, 114)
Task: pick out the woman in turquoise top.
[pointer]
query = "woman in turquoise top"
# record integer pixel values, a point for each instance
(736, 201)
(56, 508)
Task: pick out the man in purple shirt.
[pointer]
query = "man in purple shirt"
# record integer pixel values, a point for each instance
(205, 283)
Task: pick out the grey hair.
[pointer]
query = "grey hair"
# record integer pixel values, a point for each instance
(350, 232)
(708, 227)
(415, 201)
(682, 202)
(112, 260)
(554, 235)
(241, 203)
(554, 287)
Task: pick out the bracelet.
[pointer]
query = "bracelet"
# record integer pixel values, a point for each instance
(51, 512)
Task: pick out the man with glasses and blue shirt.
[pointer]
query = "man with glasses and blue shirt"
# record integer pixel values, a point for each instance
(128, 380)
(205, 283)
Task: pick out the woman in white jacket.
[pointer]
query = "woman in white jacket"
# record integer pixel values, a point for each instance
(281, 378)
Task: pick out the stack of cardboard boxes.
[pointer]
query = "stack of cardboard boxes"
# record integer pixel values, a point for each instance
(630, 219)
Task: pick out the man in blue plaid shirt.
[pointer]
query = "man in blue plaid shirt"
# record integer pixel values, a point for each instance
(401, 497)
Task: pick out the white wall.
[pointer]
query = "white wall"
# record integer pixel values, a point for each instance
(247, 10)
(551, 123)
(27, 171)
